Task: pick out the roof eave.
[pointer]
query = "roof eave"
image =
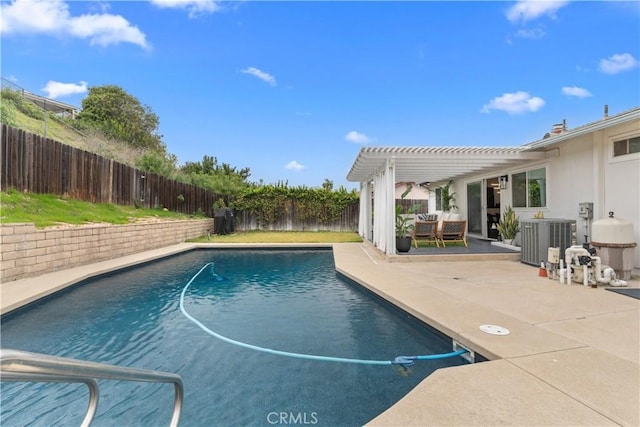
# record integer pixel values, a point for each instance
(627, 116)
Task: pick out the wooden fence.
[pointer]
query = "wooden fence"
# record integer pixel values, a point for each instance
(289, 221)
(41, 165)
(36, 164)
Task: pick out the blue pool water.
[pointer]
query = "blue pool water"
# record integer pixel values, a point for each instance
(286, 300)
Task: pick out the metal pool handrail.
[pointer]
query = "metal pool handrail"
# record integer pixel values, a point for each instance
(25, 366)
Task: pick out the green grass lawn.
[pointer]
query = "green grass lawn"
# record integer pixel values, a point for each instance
(282, 237)
(46, 210)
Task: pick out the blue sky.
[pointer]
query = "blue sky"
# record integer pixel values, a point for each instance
(293, 90)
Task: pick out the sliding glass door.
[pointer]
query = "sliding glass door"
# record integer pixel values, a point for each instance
(474, 207)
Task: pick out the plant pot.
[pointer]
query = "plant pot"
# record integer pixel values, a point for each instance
(403, 244)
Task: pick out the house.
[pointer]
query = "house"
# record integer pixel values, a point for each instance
(48, 104)
(596, 163)
(417, 191)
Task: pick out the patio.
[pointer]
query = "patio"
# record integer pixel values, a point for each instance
(479, 249)
(475, 246)
(570, 357)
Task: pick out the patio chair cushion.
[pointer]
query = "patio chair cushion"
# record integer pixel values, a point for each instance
(427, 217)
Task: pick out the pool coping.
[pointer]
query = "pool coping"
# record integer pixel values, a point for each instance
(562, 363)
(18, 293)
(571, 358)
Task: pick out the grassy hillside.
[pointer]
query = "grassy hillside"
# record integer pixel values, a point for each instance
(47, 209)
(23, 114)
(44, 209)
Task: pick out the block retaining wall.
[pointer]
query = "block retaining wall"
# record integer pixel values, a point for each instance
(28, 251)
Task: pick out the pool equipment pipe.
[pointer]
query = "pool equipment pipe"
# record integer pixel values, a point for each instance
(606, 274)
(403, 361)
(576, 256)
(592, 269)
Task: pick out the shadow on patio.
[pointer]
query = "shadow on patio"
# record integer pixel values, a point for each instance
(476, 246)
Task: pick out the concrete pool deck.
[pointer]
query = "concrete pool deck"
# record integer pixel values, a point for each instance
(572, 356)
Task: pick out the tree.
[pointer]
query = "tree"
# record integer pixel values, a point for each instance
(225, 180)
(209, 166)
(448, 198)
(121, 116)
(158, 163)
(327, 184)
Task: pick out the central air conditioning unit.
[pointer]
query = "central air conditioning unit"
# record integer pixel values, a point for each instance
(538, 235)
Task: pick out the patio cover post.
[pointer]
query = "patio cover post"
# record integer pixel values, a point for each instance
(379, 211)
(390, 223)
(364, 222)
(384, 208)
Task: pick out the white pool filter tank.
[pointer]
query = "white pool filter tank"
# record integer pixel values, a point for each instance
(613, 238)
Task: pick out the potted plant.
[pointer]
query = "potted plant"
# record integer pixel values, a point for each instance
(404, 226)
(448, 198)
(509, 225)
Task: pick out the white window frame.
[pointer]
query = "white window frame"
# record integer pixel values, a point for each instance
(623, 157)
(546, 187)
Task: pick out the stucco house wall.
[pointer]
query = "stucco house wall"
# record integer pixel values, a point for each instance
(416, 193)
(578, 165)
(581, 169)
(621, 192)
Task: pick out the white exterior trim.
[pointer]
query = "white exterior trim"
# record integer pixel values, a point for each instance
(579, 163)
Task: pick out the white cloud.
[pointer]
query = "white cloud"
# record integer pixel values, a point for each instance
(514, 103)
(532, 34)
(29, 16)
(106, 29)
(194, 7)
(266, 77)
(357, 137)
(57, 89)
(52, 17)
(527, 10)
(295, 166)
(576, 91)
(618, 63)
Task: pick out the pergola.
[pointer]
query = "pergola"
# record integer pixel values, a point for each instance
(379, 168)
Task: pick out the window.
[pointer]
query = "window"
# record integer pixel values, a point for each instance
(529, 189)
(626, 146)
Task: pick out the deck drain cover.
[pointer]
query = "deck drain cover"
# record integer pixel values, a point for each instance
(494, 330)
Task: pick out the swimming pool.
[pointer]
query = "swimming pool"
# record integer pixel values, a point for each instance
(290, 300)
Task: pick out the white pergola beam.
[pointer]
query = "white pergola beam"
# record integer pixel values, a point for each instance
(433, 163)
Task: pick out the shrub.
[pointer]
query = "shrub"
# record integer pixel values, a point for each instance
(509, 225)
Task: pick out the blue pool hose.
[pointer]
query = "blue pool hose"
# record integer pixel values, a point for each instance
(404, 361)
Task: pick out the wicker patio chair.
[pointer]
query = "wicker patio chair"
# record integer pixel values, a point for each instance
(453, 231)
(427, 231)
